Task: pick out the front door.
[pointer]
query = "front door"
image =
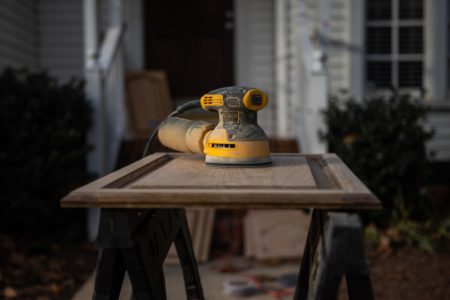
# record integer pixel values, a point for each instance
(193, 42)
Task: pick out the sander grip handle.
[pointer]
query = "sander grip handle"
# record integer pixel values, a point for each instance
(184, 135)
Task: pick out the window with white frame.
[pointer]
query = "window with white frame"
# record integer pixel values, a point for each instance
(448, 49)
(394, 43)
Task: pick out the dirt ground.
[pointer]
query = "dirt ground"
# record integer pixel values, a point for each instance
(45, 269)
(410, 273)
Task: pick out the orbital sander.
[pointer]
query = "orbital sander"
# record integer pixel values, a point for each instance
(237, 139)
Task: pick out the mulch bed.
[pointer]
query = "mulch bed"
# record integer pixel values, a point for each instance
(42, 267)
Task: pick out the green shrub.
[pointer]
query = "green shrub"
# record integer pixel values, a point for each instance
(382, 139)
(43, 137)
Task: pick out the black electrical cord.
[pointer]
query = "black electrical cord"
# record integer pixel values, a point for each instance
(180, 109)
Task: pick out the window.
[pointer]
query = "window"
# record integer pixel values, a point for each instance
(448, 49)
(394, 43)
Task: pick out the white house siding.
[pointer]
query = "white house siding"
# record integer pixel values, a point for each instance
(440, 144)
(103, 8)
(336, 36)
(293, 60)
(18, 43)
(334, 29)
(254, 53)
(60, 25)
(338, 50)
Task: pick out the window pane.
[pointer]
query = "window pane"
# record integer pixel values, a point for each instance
(410, 39)
(379, 74)
(410, 74)
(379, 9)
(410, 9)
(378, 40)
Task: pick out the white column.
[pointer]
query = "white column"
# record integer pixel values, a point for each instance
(356, 48)
(436, 38)
(323, 12)
(317, 101)
(115, 12)
(134, 36)
(241, 25)
(97, 160)
(93, 88)
(281, 78)
(90, 31)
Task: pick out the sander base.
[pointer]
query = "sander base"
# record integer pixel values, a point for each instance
(248, 161)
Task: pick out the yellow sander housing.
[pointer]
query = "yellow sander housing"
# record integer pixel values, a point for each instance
(237, 139)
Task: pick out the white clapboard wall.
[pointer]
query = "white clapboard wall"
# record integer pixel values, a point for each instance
(60, 25)
(336, 32)
(44, 34)
(439, 120)
(338, 45)
(18, 41)
(254, 52)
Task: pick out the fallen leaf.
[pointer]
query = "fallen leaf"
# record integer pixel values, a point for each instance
(16, 259)
(384, 244)
(55, 265)
(55, 247)
(9, 292)
(7, 243)
(54, 276)
(54, 288)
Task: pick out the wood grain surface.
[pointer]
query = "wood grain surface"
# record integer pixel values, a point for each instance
(191, 172)
(183, 180)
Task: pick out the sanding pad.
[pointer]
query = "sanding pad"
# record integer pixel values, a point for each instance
(238, 162)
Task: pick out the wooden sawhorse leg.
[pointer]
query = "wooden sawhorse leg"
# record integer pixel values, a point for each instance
(334, 248)
(137, 241)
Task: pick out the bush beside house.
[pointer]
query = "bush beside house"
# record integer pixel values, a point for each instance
(382, 139)
(43, 153)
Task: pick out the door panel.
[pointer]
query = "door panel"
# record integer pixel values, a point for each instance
(191, 42)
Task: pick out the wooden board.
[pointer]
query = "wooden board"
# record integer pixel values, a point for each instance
(183, 180)
(275, 233)
(190, 172)
(148, 101)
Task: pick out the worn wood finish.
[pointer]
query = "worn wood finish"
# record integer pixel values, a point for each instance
(274, 234)
(191, 172)
(148, 101)
(135, 236)
(182, 180)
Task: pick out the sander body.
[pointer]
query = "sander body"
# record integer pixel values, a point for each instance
(236, 139)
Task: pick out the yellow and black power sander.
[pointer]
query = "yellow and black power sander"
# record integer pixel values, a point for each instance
(237, 139)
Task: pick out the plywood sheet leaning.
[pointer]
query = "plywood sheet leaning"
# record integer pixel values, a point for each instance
(148, 101)
(275, 234)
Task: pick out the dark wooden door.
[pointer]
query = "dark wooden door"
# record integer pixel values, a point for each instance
(193, 42)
